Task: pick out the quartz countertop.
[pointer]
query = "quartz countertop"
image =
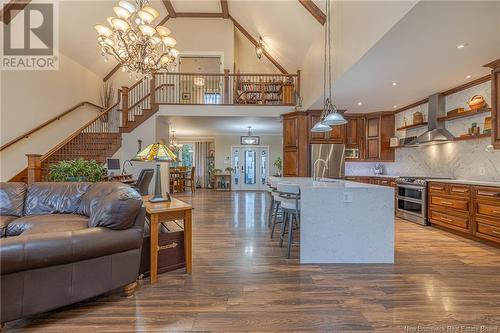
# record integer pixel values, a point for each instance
(323, 183)
(467, 182)
(374, 176)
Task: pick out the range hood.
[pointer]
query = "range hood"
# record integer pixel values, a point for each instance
(436, 132)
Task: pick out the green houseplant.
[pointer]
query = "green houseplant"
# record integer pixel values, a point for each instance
(77, 170)
(278, 163)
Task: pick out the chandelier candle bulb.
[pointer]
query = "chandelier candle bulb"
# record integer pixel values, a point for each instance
(134, 42)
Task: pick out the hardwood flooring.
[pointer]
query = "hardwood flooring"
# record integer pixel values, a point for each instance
(241, 282)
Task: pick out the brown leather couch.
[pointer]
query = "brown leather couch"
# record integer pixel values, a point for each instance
(65, 242)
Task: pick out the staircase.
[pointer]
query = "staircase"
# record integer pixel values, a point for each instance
(101, 137)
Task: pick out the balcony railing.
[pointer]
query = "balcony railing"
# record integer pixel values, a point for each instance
(218, 88)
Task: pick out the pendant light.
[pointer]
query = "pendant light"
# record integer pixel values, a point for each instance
(329, 116)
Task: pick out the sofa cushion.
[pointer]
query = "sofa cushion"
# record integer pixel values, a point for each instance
(4, 222)
(96, 194)
(46, 223)
(12, 198)
(117, 210)
(50, 198)
(57, 248)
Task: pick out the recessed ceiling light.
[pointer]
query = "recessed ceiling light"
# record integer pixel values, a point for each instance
(468, 76)
(461, 46)
(395, 106)
(394, 83)
(360, 103)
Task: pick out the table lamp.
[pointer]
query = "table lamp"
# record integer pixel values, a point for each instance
(159, 153)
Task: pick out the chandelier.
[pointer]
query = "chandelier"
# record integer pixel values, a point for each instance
(134, 43)
(329, 116)
(173, 145)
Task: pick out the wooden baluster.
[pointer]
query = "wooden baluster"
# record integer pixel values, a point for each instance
(124, 106)
(263, 90)
(226, 86)
(152, 90)
(34, 168)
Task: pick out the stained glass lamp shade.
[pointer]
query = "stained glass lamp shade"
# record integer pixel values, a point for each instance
(159, 153)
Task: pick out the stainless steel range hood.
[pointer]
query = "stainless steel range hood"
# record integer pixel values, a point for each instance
(436, 133)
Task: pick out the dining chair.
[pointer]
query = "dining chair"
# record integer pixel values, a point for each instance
(143, 181)
(190, 180)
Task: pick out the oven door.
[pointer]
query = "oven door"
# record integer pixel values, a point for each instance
(412, 203)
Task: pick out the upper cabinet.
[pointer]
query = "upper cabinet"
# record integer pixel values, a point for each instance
(336, 135)
(495, 102)
(379, 130)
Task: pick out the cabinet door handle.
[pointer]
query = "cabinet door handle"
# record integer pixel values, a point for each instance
(459, 191)
(489, 194)
(447, 203)
(495, 232)
(445, 219)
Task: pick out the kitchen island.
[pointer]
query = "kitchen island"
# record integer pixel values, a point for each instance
(345, 222)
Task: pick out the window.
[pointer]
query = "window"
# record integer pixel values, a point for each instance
(211, 98)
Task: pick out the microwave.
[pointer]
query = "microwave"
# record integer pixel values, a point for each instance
(352, 153)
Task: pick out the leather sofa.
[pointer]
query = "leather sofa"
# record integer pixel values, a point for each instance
(65, 242)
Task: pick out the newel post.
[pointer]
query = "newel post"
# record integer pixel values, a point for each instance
(124, 106)
(226, 86)
(34, 168)
(152, 89)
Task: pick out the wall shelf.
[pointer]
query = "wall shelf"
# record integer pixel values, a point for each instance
(464, 114)
(407, 127)
(472, 137)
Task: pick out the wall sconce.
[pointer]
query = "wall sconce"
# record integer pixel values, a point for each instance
(259, 49)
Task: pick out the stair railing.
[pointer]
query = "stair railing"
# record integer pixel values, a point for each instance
(48, 122)
(107, 123)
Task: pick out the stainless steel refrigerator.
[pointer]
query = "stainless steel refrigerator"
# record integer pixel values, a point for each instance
(328, 160)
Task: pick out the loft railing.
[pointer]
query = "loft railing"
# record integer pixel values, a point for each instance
(208, 89)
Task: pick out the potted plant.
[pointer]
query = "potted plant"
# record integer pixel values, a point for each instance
(77, 170)
(278, 163)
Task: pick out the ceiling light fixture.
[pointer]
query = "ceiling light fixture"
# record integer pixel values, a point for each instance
(259, 49)
(360, 103)
(173, 145)
(329, 116)
(394, 106)
(250, 139)
(468, 76)
(134, 43)
(461, 46)
(394, 83)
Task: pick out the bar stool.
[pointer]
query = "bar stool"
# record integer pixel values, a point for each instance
(290, 206)
(276, 209)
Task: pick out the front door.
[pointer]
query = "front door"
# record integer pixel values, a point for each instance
(250, 167)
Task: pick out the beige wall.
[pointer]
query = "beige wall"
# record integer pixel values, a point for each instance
(29, 98)
(245, 59)
(204, 36)
(223, 145)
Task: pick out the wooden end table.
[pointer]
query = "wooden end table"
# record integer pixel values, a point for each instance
(163, 212)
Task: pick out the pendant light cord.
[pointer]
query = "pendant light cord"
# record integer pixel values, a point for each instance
(327, 61)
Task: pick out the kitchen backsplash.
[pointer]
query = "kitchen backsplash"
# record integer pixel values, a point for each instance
(462, 159)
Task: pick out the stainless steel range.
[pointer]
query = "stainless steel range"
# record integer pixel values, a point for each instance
(412, 199)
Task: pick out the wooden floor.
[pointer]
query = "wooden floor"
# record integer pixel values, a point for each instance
(241, 282)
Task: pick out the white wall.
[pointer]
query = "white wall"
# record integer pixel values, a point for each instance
(223, 145)
(29, 98)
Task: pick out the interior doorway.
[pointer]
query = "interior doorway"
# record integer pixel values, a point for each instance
(250, 167)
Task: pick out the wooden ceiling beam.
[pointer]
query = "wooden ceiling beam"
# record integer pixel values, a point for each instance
(256, 43)
(199, 15)
(315, 11)
(117, 67)
(225, 8)
(11, 9)
(170, 8)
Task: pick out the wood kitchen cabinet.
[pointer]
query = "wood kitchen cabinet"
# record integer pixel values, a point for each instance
(495, 102)
(379, 130)
(295, 144)
(472, 211)
(355, 135)
(336, 135)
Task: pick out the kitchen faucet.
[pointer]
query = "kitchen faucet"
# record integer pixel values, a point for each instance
(315, 178)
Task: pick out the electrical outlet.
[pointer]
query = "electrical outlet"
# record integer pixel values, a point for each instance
(348, 196)
(482, 171)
